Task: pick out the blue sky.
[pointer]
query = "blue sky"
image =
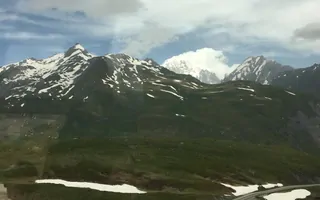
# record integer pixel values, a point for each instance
(144, 28)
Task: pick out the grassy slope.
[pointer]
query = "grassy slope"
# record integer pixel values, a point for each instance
(166, 164)
(232, 114)
(222, 138)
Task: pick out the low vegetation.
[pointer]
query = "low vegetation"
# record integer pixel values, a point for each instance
(178, 165)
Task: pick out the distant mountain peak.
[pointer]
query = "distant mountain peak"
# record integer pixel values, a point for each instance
(76, 48)
(205, 62)
(258, 69)
(250, 58)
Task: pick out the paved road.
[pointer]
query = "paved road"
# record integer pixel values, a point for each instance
(252, 196)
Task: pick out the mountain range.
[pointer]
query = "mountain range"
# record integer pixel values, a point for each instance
(118, 89)
(258, 69)
(139, 111)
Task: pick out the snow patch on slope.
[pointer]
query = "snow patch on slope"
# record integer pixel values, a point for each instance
(124, 188)
(248, 89)
(241, 190)
(292, 195)
(293, 94)
(128, 71)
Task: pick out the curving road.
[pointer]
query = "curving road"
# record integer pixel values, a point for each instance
(253, 195)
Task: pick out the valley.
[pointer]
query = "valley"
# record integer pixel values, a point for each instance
(115, 119)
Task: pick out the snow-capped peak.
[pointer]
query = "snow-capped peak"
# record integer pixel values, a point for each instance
(199, 61)
(259, 61)
(57, 72)
(258, 69)
(78, 46)
(57, 75)
(78, 49)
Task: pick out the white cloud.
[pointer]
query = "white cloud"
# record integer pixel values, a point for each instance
(7, 17)
(202, 59)
(140, 24)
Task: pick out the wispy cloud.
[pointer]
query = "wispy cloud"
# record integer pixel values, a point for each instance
(310, 31)
(12, 17)
(29, 36)
(95, 9)
(148, 38)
